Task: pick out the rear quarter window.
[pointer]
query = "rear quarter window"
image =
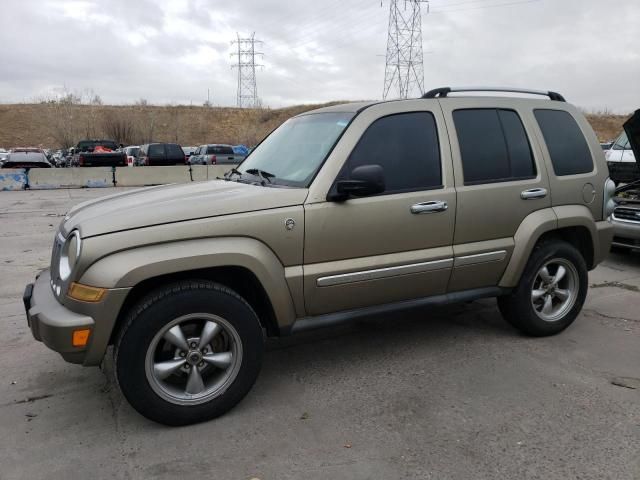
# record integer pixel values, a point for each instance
(174, 150)
(568, 149)
(156, 150)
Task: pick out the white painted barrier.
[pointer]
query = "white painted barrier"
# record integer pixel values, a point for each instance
(50, 178)
(141, 176)
(12, 179)
(95, 177)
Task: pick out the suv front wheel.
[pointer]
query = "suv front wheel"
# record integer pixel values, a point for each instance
(551, 291)
(188, 352)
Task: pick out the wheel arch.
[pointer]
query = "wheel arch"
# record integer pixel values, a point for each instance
(245, 265)
(571, 223)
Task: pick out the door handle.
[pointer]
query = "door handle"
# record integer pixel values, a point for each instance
(429, 207)
(533, 193)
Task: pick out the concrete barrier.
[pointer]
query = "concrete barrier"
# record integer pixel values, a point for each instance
(199, 173)
(219, 170)
(13, 179)
(141, 176)
(50, 178)
(95, 177)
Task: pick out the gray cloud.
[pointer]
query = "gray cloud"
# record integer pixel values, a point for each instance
(173, 51)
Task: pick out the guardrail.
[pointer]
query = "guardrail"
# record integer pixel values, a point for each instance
(101, 177)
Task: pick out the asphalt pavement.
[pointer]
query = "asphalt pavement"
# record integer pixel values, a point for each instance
(448, 393)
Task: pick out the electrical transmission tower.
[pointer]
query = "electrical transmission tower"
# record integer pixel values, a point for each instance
(404, 71)
(247, 89)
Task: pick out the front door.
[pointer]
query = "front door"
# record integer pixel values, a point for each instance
(392, 246)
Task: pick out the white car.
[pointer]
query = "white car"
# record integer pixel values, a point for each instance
(132, 154)
(622, 163)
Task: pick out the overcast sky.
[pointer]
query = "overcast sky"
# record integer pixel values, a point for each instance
(172, 51)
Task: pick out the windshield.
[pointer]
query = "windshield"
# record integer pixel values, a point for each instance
(621, 143)
(294, 152)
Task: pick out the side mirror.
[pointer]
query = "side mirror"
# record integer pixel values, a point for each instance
(364, 180)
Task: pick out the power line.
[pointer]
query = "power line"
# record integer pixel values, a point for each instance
(404, 70)
(247, 95)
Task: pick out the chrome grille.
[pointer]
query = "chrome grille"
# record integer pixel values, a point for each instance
(627, 214)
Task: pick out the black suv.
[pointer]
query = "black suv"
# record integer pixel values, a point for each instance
(154, 154)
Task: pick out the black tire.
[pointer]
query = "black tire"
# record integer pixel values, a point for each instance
(151, 314)
(517, 307)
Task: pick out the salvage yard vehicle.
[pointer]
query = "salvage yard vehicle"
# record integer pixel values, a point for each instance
(98, 153)
(161, 154)
(26, 160)
(215, 154)
(626, 215)
(340, 213)
(623, 167)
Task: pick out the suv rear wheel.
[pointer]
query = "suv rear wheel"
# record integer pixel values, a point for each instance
(551, 291)
(188, 352)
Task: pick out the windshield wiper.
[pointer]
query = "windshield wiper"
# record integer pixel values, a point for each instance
(261, 173)
(230, 173)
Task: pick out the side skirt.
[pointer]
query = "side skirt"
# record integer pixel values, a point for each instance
(339, 318)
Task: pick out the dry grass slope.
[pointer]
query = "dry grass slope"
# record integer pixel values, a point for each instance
(43, 124)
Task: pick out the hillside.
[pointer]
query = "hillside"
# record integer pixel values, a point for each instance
(52, 125)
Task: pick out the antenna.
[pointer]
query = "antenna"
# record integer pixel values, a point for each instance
(247, 89)
(404, 71)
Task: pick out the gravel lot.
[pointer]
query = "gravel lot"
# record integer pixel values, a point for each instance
(452, 393)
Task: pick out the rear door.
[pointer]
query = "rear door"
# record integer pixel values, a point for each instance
(500, 179)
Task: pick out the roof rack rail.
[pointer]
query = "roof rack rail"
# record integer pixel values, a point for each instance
(444, 91)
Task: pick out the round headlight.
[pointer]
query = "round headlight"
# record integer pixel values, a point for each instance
(69, 255)
(609, 195)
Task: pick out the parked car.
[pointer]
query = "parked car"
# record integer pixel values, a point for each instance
(26, 160)
(626, 216)
(215, 154)
(623, 167)
(158, 154)
(340, 213)
(132, 155)
(606, 145)
(98, 153)
(27, 150)
(4, 154)
(188, 151)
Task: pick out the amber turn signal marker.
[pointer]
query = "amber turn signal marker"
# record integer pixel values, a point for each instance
(80, 337)
(85, 293)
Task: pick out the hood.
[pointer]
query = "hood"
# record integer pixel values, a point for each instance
(632, 129)
(175, 203)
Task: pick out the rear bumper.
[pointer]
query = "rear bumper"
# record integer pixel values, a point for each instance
(51, 323)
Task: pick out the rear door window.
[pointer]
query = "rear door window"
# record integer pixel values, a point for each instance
(568, 149)
(493, 145)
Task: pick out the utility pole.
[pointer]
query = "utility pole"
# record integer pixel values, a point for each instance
(404, 70)
(247, 90)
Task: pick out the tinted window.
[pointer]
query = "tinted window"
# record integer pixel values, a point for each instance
(567, 146)
(406, 147)
(493, 145)
(174, 151)
(156, 150)
(219, 150)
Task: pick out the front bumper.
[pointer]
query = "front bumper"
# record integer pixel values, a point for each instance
(626, 234)
(51, 322)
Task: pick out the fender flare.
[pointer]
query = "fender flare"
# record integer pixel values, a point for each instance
(537, 224)
(127, 268)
